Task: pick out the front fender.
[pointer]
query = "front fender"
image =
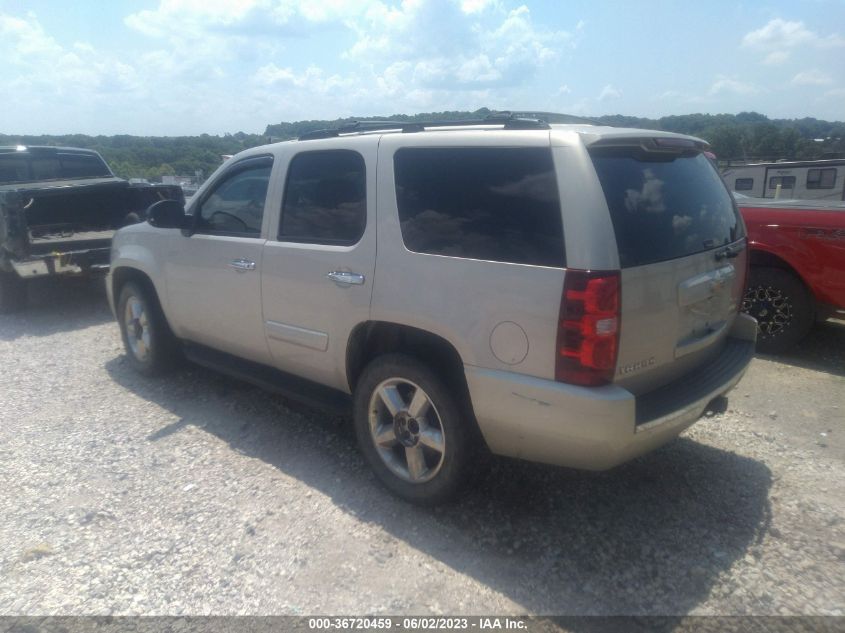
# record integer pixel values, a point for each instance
(130, 250)
(781, 242)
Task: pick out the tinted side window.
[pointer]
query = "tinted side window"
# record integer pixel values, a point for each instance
(496, 204)
(785, 182)
(13, 168)
(236, 205)
(664, 206)
(82, 166)
(821, 178)
(325, 198)
(744, 184)
(45, 168)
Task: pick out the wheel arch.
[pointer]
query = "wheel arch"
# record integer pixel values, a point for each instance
(371, 339)
(121, 275)
(761, 258)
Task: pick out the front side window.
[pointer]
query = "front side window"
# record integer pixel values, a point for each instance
(785, 182)
(744, 184)
(325, 198)
(821, 178)
(490, 203)
(236, 205)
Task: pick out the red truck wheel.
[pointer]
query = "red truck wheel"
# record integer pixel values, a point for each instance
(782, 306)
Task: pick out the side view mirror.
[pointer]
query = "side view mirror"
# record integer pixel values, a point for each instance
(167, 214)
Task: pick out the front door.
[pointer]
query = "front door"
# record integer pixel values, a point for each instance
(317, 271)
(213, 275)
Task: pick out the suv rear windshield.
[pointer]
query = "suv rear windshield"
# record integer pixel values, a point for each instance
(664, 206)
(491, 203)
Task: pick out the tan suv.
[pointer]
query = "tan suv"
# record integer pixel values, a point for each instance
(557, 293)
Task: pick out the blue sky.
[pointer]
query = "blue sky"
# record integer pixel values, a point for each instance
(172, 67)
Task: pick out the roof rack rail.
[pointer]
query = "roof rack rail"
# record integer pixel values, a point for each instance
(508, 120)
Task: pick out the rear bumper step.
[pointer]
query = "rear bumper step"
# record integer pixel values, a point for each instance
(700, 383)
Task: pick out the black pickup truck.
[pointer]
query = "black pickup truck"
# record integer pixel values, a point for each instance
(59, 208)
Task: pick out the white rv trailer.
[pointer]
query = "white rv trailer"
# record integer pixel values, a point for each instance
(802, 180)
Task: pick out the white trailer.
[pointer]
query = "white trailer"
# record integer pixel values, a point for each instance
(801, 180)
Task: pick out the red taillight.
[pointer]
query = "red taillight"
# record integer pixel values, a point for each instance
(588, 329)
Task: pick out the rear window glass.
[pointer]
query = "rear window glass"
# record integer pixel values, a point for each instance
(82, 166)
(664, 206)
(45, 168)
(495, 204)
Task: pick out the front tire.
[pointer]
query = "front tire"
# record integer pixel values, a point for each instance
(411, 430)
(12, 293)
(782, 306)
(150, 346)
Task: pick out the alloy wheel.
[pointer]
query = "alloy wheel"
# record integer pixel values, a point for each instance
(406, 430)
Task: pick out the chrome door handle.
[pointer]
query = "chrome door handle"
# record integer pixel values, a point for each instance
(242, 264)
(351, 279)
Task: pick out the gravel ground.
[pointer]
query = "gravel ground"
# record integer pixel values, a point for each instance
(197, 494)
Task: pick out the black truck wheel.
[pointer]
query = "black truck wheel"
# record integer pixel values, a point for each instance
(12, 293)
(782, 306)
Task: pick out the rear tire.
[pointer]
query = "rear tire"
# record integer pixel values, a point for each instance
(411, 430)
(150, 345)
(782, 306)
(13, 293)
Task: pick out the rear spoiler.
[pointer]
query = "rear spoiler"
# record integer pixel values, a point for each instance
(667, 144)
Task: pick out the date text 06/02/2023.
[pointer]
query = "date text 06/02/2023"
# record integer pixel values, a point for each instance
(420, 623)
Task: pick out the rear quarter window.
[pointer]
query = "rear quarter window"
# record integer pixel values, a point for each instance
(664, 206)
(490, 203)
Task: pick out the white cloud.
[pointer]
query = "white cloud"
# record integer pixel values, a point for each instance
(214, 65)
(728, 85)
(189, 16)
(40, 68)
(477, 6)
(812, 78)
(779, 34)
(443, 46)
(609, 92)
(313, 79)
(776, 57)
(24, 39)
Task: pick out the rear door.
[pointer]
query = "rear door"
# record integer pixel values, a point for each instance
(682, 252)
(318, 265)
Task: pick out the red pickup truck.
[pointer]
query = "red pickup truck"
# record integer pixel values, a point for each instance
(797, 263)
